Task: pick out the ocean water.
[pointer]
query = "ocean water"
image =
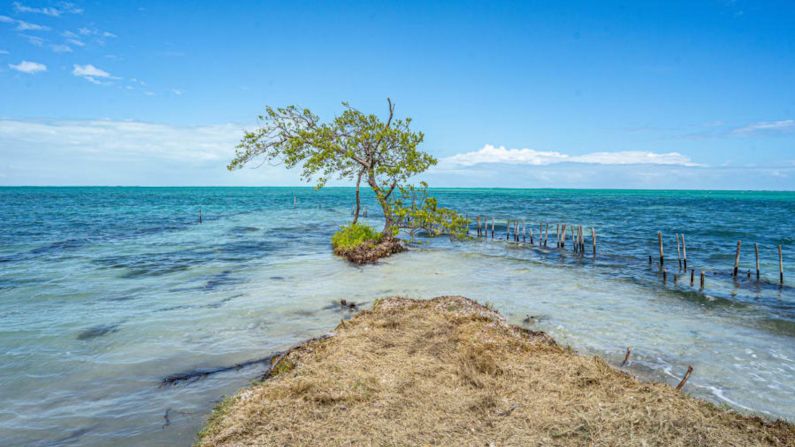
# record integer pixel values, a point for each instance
(104, 292)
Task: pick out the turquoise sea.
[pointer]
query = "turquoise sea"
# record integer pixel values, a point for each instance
(104, 292)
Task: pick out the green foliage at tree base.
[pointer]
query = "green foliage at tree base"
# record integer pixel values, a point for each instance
(354, 235)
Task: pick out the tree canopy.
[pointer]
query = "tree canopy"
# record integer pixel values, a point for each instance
(352, 146)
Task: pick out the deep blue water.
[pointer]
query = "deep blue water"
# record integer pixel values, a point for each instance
(105, 291)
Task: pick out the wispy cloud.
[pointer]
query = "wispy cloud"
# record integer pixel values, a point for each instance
(766, 127)
(27, 26)
(23, 25)
(4, 52)
(500, 155)
(91, 73)
(63, 8)
(28, 67)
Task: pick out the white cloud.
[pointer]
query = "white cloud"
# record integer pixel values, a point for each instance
(28, 67)
(27, 26)
(6, 19)
(491, 154)
(91, 73)
(63, 7)
(115, 139)
(34, 40)
(4, 52)
(766, 127)
(177, 91)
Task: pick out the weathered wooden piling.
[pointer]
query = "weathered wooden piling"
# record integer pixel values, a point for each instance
(737, 259)
(676, 278)
(593, 239)
(516, 230)
(563, 236)
(756, 253)
(684, 250)
(701, 282)
(478, 225)
(678, 251)
(665, 275)
(649, 260)
(200, 215)
(660, 244)
(492, 227)
(546, 234)
(692, 277)
(780, 265)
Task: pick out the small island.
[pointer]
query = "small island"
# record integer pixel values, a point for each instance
(449, 371)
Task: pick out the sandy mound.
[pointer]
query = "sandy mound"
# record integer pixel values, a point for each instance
(451, 372)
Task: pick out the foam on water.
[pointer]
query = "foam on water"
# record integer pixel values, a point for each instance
(104, 292)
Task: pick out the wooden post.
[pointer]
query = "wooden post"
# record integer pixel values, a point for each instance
(492, 227)
(684, 379)
(573, 240)
(593, 239)
(684, 250)
(649, 260)
(530, 230)
(678, 251)
(546, 234)
(665, 276)
(701, 283)
(507, 229)
(756, 252)
(582, 240)
(737, 259)
(200, 215)
(478, 224)
(524, 230)
(780, 265)
(659, 242)
(563, 237)
(676, 278)
(692, 277)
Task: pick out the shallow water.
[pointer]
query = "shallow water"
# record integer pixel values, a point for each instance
(106, 291)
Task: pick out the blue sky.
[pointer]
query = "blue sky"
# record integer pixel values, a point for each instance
(515, 94)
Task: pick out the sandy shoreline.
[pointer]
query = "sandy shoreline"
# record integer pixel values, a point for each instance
(449, 371)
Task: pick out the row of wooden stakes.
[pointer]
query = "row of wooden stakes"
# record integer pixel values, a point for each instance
(521, 233)
(681, 257)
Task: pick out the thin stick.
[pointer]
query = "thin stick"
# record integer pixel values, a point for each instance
(756, 252)
(200, 215)
(684, 379)
(692, 277)
(492, 227)
(626, 356)
(593, 238)
(478, 224)
(659, 242)
(737, 259)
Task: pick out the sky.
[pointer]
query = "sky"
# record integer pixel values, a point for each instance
(670, 94)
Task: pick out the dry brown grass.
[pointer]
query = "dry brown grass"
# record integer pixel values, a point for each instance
(451, 372)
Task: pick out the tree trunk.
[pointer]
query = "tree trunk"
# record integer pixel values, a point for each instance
(358, 198)
(379, 194)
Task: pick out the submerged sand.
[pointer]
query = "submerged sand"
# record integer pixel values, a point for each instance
(449, 371)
